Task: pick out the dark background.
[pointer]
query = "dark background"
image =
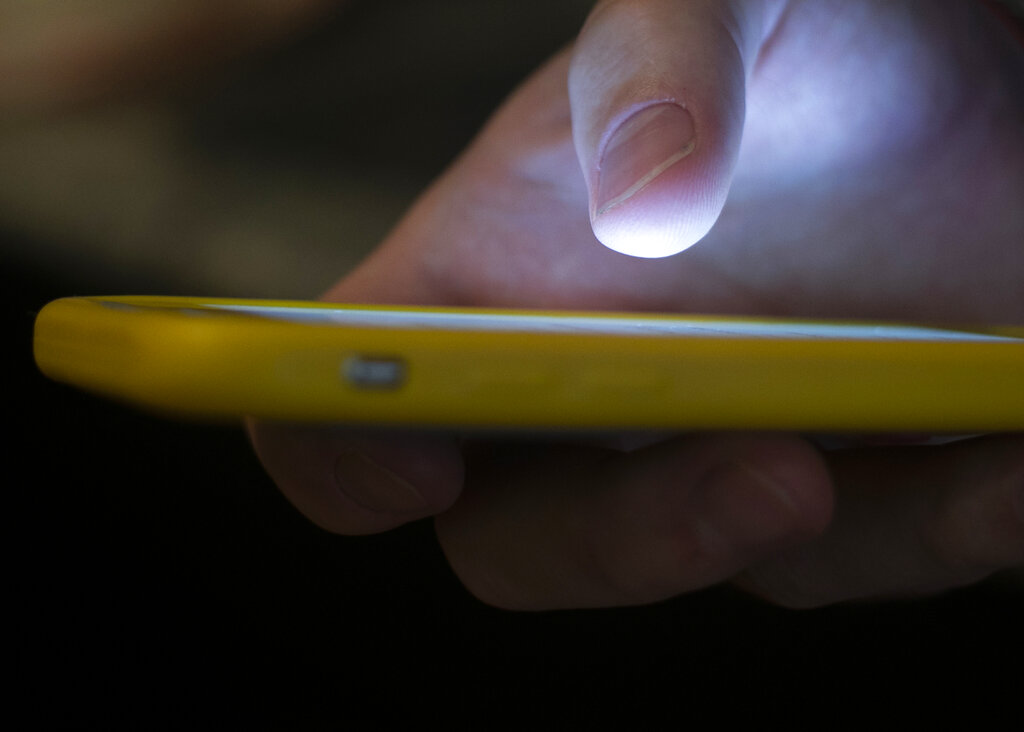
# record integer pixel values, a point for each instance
(159, 578)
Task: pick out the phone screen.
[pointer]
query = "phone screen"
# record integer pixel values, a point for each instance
(653, 326)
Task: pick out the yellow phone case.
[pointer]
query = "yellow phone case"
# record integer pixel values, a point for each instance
(228, 358)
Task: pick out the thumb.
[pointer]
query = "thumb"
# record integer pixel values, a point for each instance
(657, 92)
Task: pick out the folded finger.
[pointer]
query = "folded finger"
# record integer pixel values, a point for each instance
(360, 482)
(908, 520)
(583, 527)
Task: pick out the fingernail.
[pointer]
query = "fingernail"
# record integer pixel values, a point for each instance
(645, 146)
(748, 505)
(375, 487)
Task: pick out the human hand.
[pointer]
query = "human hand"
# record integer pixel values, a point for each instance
(854, 159)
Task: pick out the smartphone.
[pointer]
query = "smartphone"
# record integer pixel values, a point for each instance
(475, 368)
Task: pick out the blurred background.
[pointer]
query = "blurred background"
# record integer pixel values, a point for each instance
(260, 149)
(267, 161)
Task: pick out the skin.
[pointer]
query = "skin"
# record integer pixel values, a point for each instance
(850, 160)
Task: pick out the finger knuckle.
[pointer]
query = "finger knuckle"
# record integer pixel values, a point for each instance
(975, 531)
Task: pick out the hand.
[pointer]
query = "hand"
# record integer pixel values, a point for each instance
(843, 159)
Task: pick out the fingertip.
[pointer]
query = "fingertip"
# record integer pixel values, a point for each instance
(705, 507)
(912, 520)
(799, 476)
(592, 527)
(735, 499)
(659, 189)
(668, 217)
(353, 484)
(978, 520)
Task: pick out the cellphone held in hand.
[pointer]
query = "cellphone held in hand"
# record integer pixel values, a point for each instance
(512, 369)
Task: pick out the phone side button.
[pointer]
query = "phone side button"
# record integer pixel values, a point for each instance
(373, 372)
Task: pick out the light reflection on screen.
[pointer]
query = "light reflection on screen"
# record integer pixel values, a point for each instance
(611, 325)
